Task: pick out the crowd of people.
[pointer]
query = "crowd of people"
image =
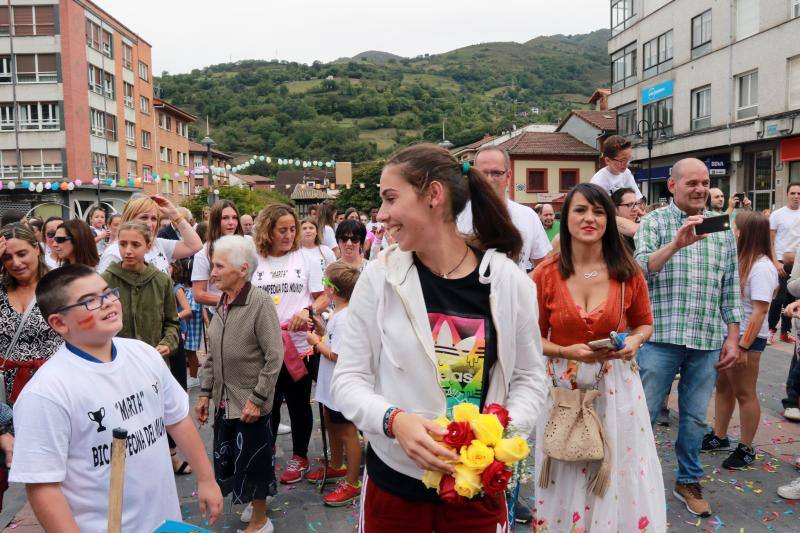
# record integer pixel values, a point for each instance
(448, 293)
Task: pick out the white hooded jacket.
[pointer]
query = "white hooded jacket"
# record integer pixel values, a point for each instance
(388, 359)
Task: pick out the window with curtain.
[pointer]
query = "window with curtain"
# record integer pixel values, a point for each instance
(746, 18)
(536, 180)
(747, 95)
(701, 108)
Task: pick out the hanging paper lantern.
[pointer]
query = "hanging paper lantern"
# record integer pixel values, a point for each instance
(25, 183)
(130, 182)
(32, 187)
(291, 161)
(47, 184)
(54, 186)
(78, 183)
(39, 187)
(360, 185)
(216, 191)
(137, 182)
(12, 185)
(191, 172)
(166, 176)
(304, 164)
(269, 159)
(95, 182)
(109, 181)
(228, 167)
(252, 161)
(261, 158)
(297, 162)
(176, 175)
(157, 178)
(255, 156)
(70, 186)
(64, 186)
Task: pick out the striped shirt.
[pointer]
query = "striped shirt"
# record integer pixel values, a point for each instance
(696, 295)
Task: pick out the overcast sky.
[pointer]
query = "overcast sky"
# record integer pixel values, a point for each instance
(187, 34)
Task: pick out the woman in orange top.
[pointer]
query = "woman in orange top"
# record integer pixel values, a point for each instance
(580, 293)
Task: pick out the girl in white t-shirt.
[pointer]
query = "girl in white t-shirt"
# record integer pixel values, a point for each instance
(617, 153)
(325, 221)
(311, 244)
(223, 220)
(150, 209)
(96, 218)
(293, 282)
(759, 282)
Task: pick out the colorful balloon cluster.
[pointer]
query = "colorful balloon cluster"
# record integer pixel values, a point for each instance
(282, 162)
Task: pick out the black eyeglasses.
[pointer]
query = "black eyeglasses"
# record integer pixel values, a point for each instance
(496, 173)
(61, 240)
(629, 205)
(350, 238)
(50, 234)
(94, 303)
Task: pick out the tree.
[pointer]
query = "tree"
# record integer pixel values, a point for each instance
(362, 199)
(246, 200)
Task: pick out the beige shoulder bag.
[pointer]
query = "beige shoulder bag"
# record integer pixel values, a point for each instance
(574, 432)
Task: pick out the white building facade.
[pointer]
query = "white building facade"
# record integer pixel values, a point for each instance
(714, 79)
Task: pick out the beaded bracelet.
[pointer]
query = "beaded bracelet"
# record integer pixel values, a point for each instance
(388, 420)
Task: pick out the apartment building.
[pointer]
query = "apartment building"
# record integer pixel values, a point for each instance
(170, 137)
(715, 80)
(219, 166)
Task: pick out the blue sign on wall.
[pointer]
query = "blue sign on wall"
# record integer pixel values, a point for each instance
(657, 92)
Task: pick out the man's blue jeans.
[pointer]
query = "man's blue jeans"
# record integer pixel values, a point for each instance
(659, 362)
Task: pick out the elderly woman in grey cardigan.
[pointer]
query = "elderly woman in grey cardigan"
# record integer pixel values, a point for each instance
(239, 375)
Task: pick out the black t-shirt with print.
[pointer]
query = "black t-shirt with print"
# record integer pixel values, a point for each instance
(465, 342)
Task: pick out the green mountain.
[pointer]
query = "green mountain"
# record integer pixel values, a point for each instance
(360, 109)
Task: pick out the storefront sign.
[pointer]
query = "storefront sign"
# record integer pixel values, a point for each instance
(657, 174)
(790, 149)
(544, 197)
(717, 166)
(657, 92)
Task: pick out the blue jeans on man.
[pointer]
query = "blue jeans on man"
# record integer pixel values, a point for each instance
(659, 362)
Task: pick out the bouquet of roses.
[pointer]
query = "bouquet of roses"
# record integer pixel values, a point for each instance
(486, 453)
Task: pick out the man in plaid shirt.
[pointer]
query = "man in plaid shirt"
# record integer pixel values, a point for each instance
(694, 288)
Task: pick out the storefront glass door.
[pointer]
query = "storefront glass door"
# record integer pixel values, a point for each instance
(763, 184)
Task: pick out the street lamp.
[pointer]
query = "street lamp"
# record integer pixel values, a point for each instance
(209, 142)
(649, 127)
(445, 143)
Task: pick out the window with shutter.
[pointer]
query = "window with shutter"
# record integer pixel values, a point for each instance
(23, 20)
(536, 180)
(26, 68)
(746, 18)
(47, 67)
(567, 179)
(111, 127)
(4, 21)
(108, 46)
(45, 21)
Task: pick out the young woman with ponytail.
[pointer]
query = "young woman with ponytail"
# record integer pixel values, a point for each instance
(444, 321)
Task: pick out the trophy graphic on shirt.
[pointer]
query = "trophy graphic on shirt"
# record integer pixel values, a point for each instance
(97, 417)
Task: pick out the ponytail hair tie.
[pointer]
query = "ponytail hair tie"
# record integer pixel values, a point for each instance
(465, 168)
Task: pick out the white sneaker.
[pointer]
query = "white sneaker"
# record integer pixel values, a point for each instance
(790, 491)
(267, 528)
(247, 514)
(192, 383)
(792, 413)
(283, 429)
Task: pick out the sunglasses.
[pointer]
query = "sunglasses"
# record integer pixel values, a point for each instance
(61, 240)
(94, 303)
(329, 283)
(50, 234)
(350, 238)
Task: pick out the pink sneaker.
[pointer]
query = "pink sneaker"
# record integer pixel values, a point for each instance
(295, 468)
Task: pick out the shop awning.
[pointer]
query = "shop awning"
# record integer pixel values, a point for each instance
(790, 149)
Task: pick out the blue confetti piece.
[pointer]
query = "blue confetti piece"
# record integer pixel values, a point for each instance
(311, 527)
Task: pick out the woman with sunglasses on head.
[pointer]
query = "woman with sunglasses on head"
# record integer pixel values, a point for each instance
(617, 153)
(26, 341)
(457, 323)
(48, 232)
(74, 243)
(589, 289)
(350, 236)
(149, 210)
(294, 282)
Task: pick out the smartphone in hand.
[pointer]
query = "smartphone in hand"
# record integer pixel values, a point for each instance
(713, 225)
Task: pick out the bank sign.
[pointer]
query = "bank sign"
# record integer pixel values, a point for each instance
(657, 92)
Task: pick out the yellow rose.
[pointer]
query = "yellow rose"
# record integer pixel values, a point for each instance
(511, 450)
(442, 421)
(488, 429)
(477, 455)
(467, 481)
(465, 412)
(432, 478)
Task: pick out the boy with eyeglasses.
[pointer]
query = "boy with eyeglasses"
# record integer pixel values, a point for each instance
(617, 153)
(93, 384)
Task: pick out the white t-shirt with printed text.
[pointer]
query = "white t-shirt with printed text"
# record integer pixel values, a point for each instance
(64, 420)
(611, 182)
(334, 337)
(159, 255)
(785, 223)
(290, 281)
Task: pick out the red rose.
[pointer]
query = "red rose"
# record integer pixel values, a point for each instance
(447, 491)
(499, 411)
(495, 478)
(643, 523)
(458, 434)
